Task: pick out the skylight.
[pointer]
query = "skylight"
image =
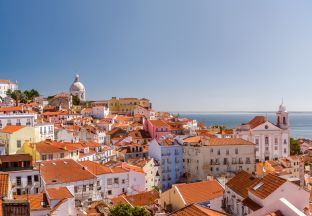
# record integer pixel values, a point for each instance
(258, 186)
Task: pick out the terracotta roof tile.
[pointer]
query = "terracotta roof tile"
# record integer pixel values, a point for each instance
(58, 193)
(241, 182)
(12, 128)
(4, 184)
(158, 123)
(256, 121)
(228, 141)
(140, 199)
(267, 185)
(63, 171)
(196, 210)
(200, 191)
(95, 168)
(35, 200)
(251, 204)
(15, 158)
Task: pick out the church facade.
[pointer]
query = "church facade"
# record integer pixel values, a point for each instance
(78, 89)
(271, 139)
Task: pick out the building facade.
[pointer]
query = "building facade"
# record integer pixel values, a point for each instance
(168, 153)
(6, 85)
(204, 157)
(272, 139)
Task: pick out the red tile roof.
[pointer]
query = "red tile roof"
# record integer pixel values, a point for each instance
(267, 185)
(256, 121)
(4, 183)
(35, 200)
(140, 199)
(64, 171)
(241, 182)
(200, 191)
(196, 210)
(158, 123)
(12, 128)
(228, 141)
(58, 193)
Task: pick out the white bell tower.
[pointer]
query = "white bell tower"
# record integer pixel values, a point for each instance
(282, 117)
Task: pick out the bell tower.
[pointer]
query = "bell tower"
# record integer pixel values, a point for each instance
(282, 117)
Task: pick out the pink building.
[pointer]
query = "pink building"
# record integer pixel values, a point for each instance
(157, 128)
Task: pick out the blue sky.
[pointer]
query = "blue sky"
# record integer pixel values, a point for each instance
(199, 55)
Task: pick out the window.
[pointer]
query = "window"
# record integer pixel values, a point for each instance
(18, 143)
(266, 140)
(123, 181)
(109, 192)
(84, 188)
(43, 157)
(285, 141)
(62, 155)
(266, 127)
(18, 191)
(18, 122)
(0, 124)
(123, 190)
(218, 151)
(76, 189)
(275, 148)
(276, 140)
(90, 187)
(257, 141)
(36, 190)
(36, 178)
(211, 151)
(227, 152)
(28, 122)
(18, 181)
(98, 183)
(29, 180)
(9, 122)
(236, 150)
(109, 181)
(285, 150)
(50, 156)
(116, 180)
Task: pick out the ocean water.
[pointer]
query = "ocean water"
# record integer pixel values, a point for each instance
(300, 122)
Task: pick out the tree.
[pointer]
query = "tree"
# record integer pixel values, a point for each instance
(22, 96)
(76, 100)
(294, 147)
(126, 210)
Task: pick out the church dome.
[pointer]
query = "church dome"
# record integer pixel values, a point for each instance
(282, 108)
(77, 86)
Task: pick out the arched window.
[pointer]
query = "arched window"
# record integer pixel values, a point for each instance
(284, 120)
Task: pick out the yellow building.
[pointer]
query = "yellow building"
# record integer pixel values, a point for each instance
(14, 136)
(126, 105)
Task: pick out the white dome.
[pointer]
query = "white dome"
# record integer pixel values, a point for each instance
(282, 108)
(77, 86)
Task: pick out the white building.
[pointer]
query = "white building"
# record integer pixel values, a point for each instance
(204, 157)
(44, 131)
(272, 140)
(78, 89)
(25, 181)
(67, 172)
(17, 119)
(265, 196)
(116, 180)
(100, 112)
(6, 85)
(151, 169)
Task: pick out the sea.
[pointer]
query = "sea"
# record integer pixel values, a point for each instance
(300, 122)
